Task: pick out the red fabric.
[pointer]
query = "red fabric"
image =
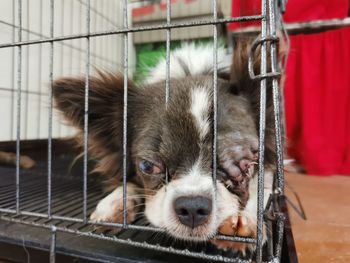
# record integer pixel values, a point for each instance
(317, 100)
(317, 87)
(296, 10)
(244, 8)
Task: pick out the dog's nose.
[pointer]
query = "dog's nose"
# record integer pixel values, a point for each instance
(193, 211)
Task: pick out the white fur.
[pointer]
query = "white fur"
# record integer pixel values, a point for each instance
(160, 211)
(197, 58)
(109, 207)
(105, 208)
(200, 102)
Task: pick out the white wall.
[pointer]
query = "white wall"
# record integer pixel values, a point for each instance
(69, 58)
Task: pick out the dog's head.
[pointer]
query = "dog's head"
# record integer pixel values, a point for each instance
(169, 147)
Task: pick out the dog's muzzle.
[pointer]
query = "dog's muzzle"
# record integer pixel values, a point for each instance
(193, 211)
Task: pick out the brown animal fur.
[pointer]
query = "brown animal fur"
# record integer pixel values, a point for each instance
(8, 158)
(149, 125)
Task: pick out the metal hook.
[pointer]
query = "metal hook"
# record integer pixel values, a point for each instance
(253, 48)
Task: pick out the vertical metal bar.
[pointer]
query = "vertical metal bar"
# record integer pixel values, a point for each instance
(49, 147)
(26, 105)
(112, 40)
(167, 77)
(276, 100)
(280, 230)
(59, 124)
(19, 91)
(80, 44)
(95, 40)
(71, 9)
(105, 41)
(100, 40)
(53, 245)
(109, 24)
(86, 109)
(269, 236)
(12, 72)
(262, 117)
(40, 68)
(168, 39)
(125, 107)
(215, 91)
(278, 130)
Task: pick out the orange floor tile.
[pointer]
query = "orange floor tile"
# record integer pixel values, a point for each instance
(325, 235)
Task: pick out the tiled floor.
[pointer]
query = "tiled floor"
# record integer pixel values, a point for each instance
(325, 235)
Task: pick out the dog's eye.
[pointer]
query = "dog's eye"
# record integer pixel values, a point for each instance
(149, 168)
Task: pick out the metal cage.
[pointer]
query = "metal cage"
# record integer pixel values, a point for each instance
(38, 201)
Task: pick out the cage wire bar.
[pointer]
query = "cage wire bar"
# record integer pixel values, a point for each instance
(13, 38)
(125, 107)
(262, 117)
(26, 95)
(215, 96)
(40, 67)
(53, 245)
(49, 143)
(167, 72)
(19, 90)
(86, 110)
(268, 36)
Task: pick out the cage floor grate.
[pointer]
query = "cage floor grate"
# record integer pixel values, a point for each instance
(67, 201)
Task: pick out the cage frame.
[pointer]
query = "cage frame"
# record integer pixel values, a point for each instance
(268, 36)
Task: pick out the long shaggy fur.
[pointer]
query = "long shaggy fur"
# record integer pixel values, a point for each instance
(178, 136)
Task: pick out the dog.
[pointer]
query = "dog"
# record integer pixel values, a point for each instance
(169, 147)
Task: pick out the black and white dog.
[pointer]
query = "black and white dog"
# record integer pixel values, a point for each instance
(178, 139)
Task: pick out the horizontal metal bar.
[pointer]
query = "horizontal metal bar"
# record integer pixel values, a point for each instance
(23, 91)
(42, 36)
(72, 206)
(128, 226)
(90, 208)
(43, 207)
(302, 27)
(184, 252)
(317, 25)
(135, 29)
(7, 211)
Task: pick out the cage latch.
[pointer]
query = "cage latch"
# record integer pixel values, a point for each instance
(255, 45)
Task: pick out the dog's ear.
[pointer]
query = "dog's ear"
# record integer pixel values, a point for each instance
(242, 84)
(105, 115)
(240, 81)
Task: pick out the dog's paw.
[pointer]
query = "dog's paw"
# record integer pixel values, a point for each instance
(239, 157)
(236, 226)
(110, 208)
(10, 158)
(237, 161)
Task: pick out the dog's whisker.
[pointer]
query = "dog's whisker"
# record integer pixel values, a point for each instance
(138, 195)
(146, 189)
